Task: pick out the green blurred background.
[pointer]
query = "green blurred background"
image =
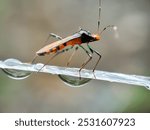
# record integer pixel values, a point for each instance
(24, 26)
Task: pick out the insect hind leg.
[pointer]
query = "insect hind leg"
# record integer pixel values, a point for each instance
(50, 60)
(35, 57)
(68, 62)
(59, 52)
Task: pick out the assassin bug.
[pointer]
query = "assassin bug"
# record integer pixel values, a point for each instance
(77, 39)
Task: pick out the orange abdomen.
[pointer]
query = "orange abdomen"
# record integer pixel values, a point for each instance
(57, 46)
(69, 43)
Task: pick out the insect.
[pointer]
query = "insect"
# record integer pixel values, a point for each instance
(74, 41)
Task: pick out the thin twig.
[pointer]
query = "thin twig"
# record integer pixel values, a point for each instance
(100, 75)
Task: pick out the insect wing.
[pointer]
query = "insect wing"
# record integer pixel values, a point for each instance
(58, 43)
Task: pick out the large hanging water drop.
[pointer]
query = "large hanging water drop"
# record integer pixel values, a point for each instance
(74, 81)
(15, 74)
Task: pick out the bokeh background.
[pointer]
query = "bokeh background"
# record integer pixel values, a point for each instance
(25, 25)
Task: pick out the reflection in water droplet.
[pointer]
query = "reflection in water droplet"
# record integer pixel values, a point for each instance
(15, 74)
(74, 81)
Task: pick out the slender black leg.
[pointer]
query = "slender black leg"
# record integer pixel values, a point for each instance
(92, 50)
(86, 61)
(50, 35)
(59, 52)
(34, 59)
(72, 56)
(50, 60)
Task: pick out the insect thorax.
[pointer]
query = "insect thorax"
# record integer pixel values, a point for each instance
(86, 36)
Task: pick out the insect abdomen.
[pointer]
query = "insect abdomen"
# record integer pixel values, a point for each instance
(62, 46)
(47, 50)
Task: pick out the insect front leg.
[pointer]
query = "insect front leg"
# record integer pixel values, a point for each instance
(92, 50)
(86, 61)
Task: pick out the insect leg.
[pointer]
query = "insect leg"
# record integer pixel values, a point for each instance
(72, 56)
(92, 50)
(50, 35)
(86, 61)
(34, 59)
(50, 59)
(53, 35)
(59, 52)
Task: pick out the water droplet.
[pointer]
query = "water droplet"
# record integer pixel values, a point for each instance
(15, 74)
(147, 86)
(74, 81)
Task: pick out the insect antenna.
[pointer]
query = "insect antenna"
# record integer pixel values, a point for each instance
(99, 16)
(99, 21)
(109, 26)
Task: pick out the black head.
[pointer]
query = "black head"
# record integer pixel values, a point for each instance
(87, 37)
